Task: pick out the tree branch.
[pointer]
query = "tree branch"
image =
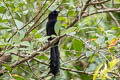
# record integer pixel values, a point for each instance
(31, 28)
(82, 12)
(102, 11)
(100, 2)
(112, 16)
(46, 46)
(35, 53)
(28, 22)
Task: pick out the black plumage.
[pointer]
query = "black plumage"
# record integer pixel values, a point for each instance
(54, 51)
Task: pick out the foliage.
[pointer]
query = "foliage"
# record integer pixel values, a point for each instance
(89, 51)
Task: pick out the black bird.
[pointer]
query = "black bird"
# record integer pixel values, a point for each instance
(54, 51)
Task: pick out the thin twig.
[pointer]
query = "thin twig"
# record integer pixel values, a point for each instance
(31, 70)
(27, 23)
(45, 18)
(101, 2)
(102, 11)
(31, 28)
(11, 14)
(35, 53)
(79, 16)
(35, 15)
(112, 16)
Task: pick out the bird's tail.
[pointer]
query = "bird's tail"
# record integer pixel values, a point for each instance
(54, 60)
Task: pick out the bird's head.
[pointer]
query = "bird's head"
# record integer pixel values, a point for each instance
(53, 15)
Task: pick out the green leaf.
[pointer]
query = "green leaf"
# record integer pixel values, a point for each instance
(14, 50)
(3, 44)
(57, 27)
(18, 23)
(8, 67)
(15, 58)
(52, 8)
(25, 43)
(78, 45)
(97, 71)
(16, 39)
(4, 28)
(3, 20)
(18, 77)
(69, 30)
(89, 53)
(92, 58)
(9, 0)
(25, 12)
(113, 63)
(2, 9)
(43, 39)
(22, 34)
(71, 13)
(100, 40)
(21, 4)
